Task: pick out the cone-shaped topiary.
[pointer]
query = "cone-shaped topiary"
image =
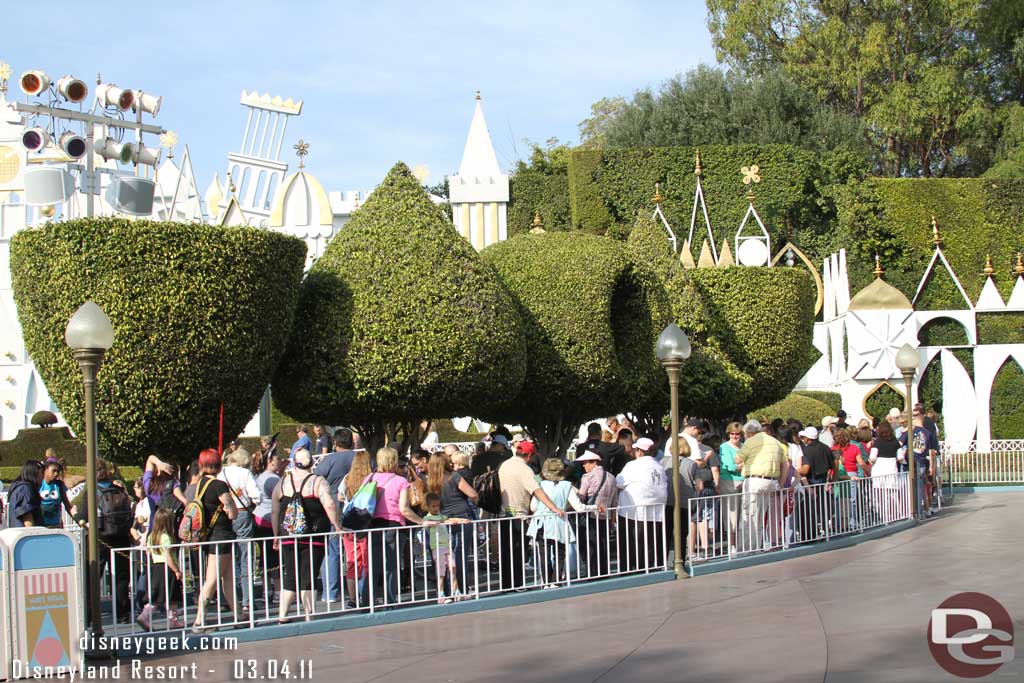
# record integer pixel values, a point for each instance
(400, 319)
(649, 243)
(200, 315)
(591, 318)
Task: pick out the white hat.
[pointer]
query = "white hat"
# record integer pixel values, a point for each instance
(643, 444)
(810, 432)
(589, 456)
(828, 421)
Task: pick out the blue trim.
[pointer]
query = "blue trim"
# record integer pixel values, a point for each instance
(395, 616)
(43, 551)
(756, 559)
(988, 489)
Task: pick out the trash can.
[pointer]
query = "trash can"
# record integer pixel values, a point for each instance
(44, 589)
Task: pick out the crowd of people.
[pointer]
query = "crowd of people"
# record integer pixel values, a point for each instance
(326, 520)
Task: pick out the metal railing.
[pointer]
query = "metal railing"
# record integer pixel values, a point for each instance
(731, 525)
(997, 461)
(379, 568)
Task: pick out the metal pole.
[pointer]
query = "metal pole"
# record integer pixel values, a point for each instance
(908, 378)
(90, 170)
(89, 361)
(672, 368)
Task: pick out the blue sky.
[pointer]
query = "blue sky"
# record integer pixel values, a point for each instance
(381, 82)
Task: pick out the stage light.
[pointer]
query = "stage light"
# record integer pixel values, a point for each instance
(150, 103)
(73, 145)
(131, 195)
(48, 185)
(147, 156)
(72, 89)
(34, 82)
(35, 139)
(109, 148)
(110, 95)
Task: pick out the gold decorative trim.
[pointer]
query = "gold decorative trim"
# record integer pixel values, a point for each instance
(874, 390)
(819, 301)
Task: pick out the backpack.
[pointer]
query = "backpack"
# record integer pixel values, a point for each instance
(359, 511)
(114, 508)
(295, 514)
(169, 501)
(193, 527)
(488, 489)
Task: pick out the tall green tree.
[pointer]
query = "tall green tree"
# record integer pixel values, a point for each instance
(924, 77)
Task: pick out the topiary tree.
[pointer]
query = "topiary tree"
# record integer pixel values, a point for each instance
(400, 320)
(804, 408)
(591, 318)
(44, 418)
(200, 314)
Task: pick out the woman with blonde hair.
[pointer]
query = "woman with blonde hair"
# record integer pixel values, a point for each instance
(237, 474)
(354, 542)
(392, 511)
(456, 495)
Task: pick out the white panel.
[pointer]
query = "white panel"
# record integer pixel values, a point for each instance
(959, 402)
(829, 311)
(990, 299)
(1017, 296)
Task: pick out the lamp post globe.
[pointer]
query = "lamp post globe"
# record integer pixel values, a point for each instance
(672, 349)
(908, 362)
(90, 334)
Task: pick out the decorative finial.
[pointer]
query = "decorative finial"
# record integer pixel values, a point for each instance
(936, 237)
(168, 140)
(301, 150)
(751, 177)
(99, 78)
(5, 73)
(537, 222)
(231, 183)
(1019, 268)
(477, 95)
(879, 271)
(658, 199)
(989, 270)
(697, 170)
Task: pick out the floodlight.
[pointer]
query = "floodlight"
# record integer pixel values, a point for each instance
(73, 145)
(147, 156)
(150, 104)
(131, 195)
(108, 148)
(72, 89)
(34, 82)
(35, 139)
(110, 95)
(48, 185)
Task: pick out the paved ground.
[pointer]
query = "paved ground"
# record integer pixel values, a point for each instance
(858, 614)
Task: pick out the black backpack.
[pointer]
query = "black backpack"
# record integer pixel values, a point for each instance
(114, 519)
(169, 501)
(488, 490)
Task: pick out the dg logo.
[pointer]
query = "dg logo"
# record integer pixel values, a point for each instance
(970, 635)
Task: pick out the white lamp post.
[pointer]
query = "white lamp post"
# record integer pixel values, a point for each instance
(674, 348)
(89, 334)
(907, 361)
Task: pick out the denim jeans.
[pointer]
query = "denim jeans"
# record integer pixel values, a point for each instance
(463, 542)
(244, 527)
(330, 573)
(384, 561)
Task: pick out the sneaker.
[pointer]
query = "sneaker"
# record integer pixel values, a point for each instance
(143, 620)
(350, 604)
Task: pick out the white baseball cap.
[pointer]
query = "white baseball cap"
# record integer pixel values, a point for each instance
(810, 432)
(643, 444)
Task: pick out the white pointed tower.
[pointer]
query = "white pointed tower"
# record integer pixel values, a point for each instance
(479, 193)
(301, 208)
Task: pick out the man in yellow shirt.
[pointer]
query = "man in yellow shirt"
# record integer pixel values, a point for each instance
(765, 463)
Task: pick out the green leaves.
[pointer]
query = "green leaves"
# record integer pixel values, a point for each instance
(201, 314)
(400, 319)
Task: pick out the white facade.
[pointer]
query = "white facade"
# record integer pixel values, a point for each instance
(479, 193)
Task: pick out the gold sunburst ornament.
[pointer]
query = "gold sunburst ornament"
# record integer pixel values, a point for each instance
(168, 140)
(301, 150)
(751, 174)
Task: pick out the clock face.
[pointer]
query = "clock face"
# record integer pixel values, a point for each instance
(10, 163)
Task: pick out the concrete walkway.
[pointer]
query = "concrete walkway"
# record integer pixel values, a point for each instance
(856, 614)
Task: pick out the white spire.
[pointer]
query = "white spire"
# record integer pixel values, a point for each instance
(478, 158)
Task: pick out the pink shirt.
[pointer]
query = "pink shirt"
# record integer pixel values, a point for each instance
(389, 491)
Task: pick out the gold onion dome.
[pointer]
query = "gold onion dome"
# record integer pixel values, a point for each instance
(879, 295)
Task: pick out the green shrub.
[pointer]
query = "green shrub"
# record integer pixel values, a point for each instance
(200, 312)
(446, 432)
(760, 318)
(532, 192)
(1001, 328)
(591, 316)
(1007, 407)
(830, 398)
(400, 319)
(808, 410)
(942, 332)
(31, 444)
(882, 400)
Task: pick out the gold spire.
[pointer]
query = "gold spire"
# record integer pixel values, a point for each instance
(879, 271)
(231, 184)
(5, 73)
(658, 199)
(989, 270)
(537, 222)
(697, 170)
(1019, 268)
(936, 237)
(477, 95)
(301, 150)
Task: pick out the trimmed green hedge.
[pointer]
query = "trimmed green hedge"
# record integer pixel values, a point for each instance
(884, 399)
(942, 332)
(804, 408)
(201, 314)
(892, 217)
(591, 316)
(1000, 328)
(400, 319)
(32, 444)
(531, 192)
(607, 187)
(1007, 408)
(830, 398)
